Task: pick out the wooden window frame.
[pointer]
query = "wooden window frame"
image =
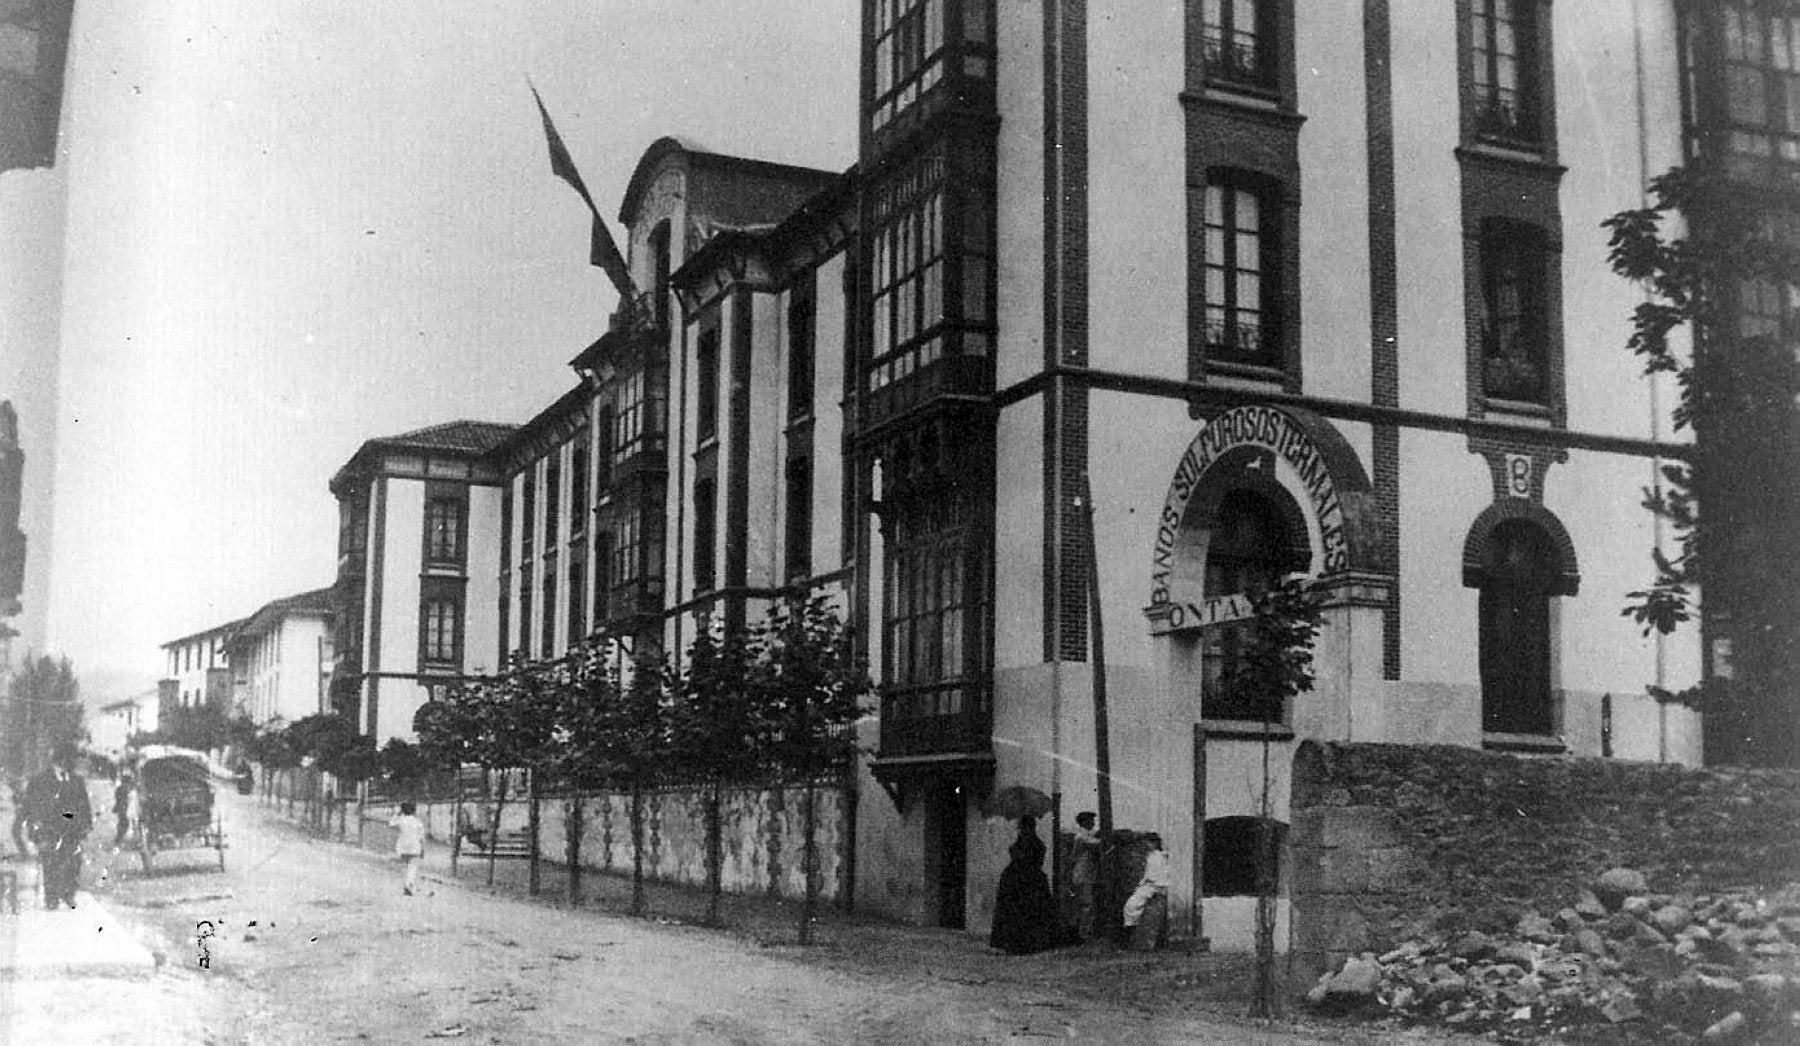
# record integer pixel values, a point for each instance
(1219, 348)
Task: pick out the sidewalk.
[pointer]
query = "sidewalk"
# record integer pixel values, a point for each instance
(87, 941)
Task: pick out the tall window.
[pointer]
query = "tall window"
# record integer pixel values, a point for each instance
(353, 525)
(552, 499)
(1515, 323)
(1246, 553)
(1515, 630)
(442, 618)
(931, 617)
(1767, 309)
(907, 274)
(1238, 40)
(636, 416)
(1762, 86)
(1238, 270)
(659, 276)
(548, 646)
(603, 452)
(577, 601)
(505, 625)
(801, 317)
(908, 58)
(506, 528)
(798, 538)
(706, 378)
(1503, 77)
(527, 513)
(443, 530)
(526, 635)
(603, 577)
(705, 534)
(578, 485)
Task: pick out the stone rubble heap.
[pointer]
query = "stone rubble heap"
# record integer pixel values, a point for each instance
(1722, 967)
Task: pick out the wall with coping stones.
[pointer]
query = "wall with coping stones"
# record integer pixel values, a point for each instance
(1391, 841)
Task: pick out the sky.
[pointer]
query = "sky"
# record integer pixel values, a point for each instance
(293, 225)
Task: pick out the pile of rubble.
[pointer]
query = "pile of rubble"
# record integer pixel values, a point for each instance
(1722, 967)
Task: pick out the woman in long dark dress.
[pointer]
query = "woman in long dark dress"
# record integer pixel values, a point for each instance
(1024, 909)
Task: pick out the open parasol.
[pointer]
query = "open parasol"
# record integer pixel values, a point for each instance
(1016, 801)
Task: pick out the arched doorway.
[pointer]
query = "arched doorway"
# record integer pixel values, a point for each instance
(1261, 493)
(1245, 539)
(1519, 557)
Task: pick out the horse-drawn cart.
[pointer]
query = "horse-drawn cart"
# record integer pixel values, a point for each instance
(176, 809)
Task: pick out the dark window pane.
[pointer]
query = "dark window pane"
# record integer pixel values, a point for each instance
(1228, 866)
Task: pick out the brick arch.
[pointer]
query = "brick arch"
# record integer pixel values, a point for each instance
(1481, 534)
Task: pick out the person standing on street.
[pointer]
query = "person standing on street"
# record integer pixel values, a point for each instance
(124, 799)
(21, 822)
(409, 844)
(57, 806)
(1084, 871)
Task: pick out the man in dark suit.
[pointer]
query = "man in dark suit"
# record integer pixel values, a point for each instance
(60, 816)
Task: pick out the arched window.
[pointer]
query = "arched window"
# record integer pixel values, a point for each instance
(1520, 577)
(1246, 553)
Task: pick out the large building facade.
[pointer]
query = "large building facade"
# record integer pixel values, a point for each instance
(34, 46)
(416, 594)
(1241, 288)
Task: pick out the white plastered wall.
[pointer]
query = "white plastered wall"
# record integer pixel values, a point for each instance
(1137, 190)
(481, 610)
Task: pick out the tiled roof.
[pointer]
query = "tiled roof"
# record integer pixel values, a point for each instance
(476, 437)
(318, 601)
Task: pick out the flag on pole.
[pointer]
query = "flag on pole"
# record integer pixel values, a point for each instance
(603, 252)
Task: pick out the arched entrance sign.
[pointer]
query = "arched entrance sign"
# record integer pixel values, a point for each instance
(1325, 470)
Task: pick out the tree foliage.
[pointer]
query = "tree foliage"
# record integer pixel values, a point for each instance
(42, 710)
(1704, 250)
(808, 688)
(1276, 662)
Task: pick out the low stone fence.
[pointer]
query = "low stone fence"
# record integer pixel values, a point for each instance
(763, 833)
(1391, 841)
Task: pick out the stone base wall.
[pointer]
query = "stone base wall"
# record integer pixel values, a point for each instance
(1391, 841)
(762, 829)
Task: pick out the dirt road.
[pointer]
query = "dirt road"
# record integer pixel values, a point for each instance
(306, 941)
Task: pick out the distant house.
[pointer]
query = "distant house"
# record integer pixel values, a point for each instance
(280, 658)
(196, 671)
(112, 728)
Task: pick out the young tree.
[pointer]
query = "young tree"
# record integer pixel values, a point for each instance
(1274, 666)
(275, 750)
(810, 689)
(640, 742)
(717, 728)
(405, 768)
(533, 731)
(448, 728)
(348, 755)
(1711, 263)
(202, 727)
